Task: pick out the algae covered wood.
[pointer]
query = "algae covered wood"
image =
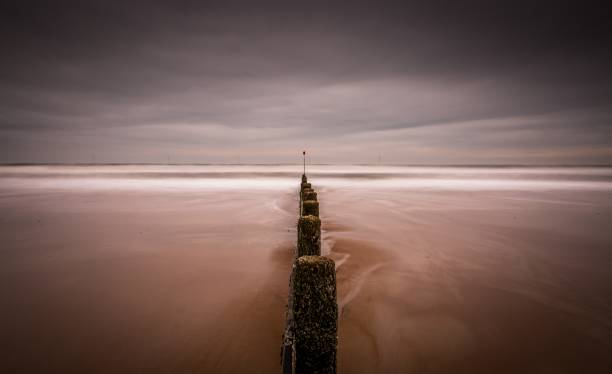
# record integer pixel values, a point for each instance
(309, 195)
(304, 192)
(311, 334)
(309, 235)
(315, 315)
(310, 208)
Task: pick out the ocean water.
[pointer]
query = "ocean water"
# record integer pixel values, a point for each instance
(196, 177)
(184, 268)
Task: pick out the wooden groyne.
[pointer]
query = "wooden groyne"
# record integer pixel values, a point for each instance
(311, 333)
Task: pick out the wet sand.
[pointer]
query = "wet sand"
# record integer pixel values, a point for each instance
(120, 282)
(456, 282)
(126, 274)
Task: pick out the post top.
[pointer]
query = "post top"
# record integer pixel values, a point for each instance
(309, 217)
(315, 260)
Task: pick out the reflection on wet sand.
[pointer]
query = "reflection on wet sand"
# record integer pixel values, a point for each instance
(440, 270)
(123, 282)
(448, 282)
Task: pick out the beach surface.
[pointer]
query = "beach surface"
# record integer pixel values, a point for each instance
(167, 268)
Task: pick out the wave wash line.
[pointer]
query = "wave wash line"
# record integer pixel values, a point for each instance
(311, 334)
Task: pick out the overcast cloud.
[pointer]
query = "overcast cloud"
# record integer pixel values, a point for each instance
(436, 82)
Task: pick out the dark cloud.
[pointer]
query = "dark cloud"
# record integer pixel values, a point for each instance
(427, 82)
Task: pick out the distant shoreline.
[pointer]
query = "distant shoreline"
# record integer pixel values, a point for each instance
(313, 164)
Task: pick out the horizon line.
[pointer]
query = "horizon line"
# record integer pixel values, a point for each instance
(288, 164)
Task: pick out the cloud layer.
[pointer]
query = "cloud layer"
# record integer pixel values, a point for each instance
(439, 82)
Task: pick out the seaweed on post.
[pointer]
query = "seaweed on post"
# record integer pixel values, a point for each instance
(310, 208)
(309, 236)
(315, 315)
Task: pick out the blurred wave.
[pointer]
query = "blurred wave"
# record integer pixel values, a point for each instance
(180, 177)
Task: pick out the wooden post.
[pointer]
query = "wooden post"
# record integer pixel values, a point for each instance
(311, 333)
(309, 236)
(310, 208)
(309, 195)
(315, 315)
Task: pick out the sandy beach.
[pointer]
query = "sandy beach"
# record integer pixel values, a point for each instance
(121, 270)
(451, 282)
(116, 282)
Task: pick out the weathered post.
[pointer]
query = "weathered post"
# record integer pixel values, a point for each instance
(304, 191)
(309, 236)
(304, 187)
(311, 333)
(310, 208)
(309, 194)
(315, 313)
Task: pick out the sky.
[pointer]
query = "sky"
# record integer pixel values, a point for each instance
(394, 82)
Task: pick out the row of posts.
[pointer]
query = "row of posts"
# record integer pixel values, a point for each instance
(311, 334)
